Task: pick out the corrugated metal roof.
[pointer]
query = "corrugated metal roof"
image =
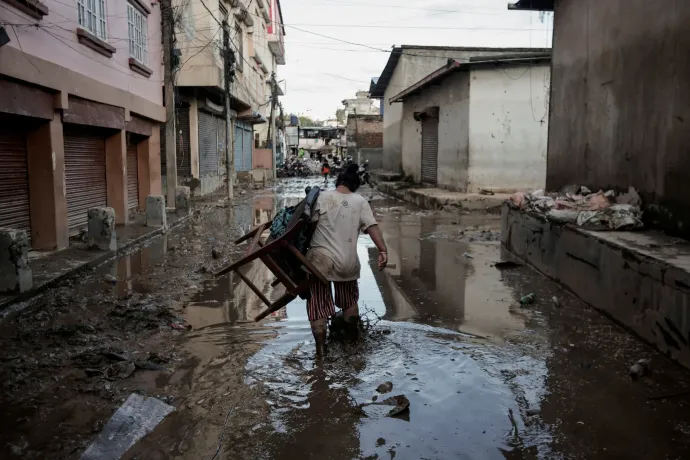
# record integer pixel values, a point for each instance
(475, 61)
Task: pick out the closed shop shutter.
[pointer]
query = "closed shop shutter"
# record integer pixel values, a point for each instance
(14, 180)
(84, 174)
(184, 158)
(239, 165)
(429, 150)
(208, 144)
(162, 137)
(222, 154)
(247, 144)
(132, 177)
(243, 146)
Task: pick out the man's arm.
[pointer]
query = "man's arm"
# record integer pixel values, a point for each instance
(376, 236)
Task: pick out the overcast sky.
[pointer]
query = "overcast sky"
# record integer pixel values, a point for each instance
(321, 72)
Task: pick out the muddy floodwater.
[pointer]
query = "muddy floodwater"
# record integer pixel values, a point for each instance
(485, 377)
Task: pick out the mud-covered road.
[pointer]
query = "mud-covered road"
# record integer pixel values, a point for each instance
(485, 377)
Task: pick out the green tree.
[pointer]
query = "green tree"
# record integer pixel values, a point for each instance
(340, 116)
(308, 121)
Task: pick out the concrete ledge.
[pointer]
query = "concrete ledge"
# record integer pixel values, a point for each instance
(639, 279)
(79, 267)
(379, 175)
(435, 198)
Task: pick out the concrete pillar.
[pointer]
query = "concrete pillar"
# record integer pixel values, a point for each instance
(101, 226)
(149, 171)
(15, 273)
(47, 194)
(116, 175)
(194, 137)
(183, 201)
(155, 211)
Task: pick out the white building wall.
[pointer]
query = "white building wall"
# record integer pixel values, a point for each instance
(452, 98)
(508, 128)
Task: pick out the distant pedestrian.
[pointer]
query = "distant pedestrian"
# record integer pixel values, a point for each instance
(325, 170)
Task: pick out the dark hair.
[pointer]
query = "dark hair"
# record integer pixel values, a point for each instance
(349, 178)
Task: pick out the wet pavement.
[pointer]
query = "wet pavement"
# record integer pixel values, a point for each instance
(485, 377)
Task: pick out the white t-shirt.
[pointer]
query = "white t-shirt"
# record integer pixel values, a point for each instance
(341, 217)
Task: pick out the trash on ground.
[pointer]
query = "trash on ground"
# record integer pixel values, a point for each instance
(467, 255)
(385, 387)
(180, 324)
(486, 192)
(556, 303)
(528, 299)
(216, 254)
(119, 370)
(639, 369)
(137, 417)
(506, 265)
(577, 205)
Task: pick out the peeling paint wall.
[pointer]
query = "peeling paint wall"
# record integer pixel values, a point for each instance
(508, 127)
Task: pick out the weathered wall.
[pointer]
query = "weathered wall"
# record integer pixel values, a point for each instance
(365, 139)
(618, 273)
(619, 101)
(508, 128)
(452, 98)
(415, 64)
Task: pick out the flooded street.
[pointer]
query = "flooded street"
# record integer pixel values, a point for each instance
(486, 378)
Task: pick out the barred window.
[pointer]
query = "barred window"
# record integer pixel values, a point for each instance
(138, 31)
(92, 16)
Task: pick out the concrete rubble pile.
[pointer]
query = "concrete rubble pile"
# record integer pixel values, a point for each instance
(580, 206)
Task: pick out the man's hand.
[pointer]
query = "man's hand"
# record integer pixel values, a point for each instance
(383, 260)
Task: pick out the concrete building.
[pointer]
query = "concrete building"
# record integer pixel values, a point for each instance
(478, 125)
(607, 129)
(80, 109)
(365, 139)
(362, 104)
(407, 65)
(256, 33)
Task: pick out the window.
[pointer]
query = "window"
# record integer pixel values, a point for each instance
(92, 16)
(138, 31)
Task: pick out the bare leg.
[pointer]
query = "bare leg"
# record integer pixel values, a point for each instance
(351, 311)
(318, 328)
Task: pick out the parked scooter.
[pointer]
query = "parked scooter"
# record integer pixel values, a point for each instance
(363, 173)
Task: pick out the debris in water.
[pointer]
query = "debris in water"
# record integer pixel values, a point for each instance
(532, 412)
(512, 420)
(467, 255)
(556, 303)
(508, 264)
(528, 299)
(180, 325)
(401, 403)
(137, 417)
(216, 254)
(120, 370)
(485, 192)
(108, 278)
(639, 369)
(385, 387)
(114, 356)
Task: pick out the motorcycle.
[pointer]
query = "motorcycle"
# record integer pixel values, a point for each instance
(363, 173)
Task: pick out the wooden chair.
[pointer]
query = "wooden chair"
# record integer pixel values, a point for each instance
(278, 255)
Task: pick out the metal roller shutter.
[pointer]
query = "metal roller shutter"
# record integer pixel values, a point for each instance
(239, 165)
(208, 144)
(429, 150)
(222, 154)
(247, 144)
(84, 174)
(184, 152)
(15, 211)
(132, 176)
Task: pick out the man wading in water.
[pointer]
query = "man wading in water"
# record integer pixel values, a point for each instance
(341, 215)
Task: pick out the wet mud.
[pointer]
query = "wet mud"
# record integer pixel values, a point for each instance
(485, 376)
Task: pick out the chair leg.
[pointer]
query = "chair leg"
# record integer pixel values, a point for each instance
(256, 290)
(277, 305)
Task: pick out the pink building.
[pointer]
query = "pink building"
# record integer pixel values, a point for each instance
(80, 108)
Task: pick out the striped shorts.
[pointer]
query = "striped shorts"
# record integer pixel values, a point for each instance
(320, 304)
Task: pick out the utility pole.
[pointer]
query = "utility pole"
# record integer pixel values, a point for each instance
(170, 141)
(229, 63)
(272, 125)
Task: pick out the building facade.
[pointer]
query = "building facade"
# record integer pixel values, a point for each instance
(362, 104)
(618, 112)
(256, 34)
(365, 139)
(407, 65)
(80, 110)
(478, 125)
